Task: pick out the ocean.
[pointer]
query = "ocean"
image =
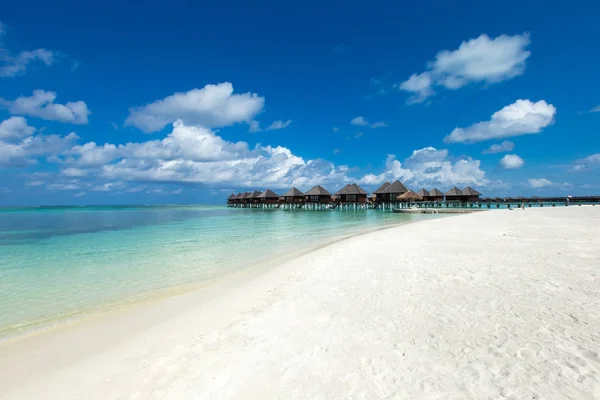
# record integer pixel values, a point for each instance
(58, 263)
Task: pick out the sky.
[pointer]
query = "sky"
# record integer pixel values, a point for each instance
(181, 102)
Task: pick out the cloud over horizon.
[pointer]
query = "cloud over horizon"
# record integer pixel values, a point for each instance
(479, 60)
(519, 118)
(213, 106)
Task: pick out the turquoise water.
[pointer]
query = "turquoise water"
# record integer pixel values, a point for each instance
(58, 262)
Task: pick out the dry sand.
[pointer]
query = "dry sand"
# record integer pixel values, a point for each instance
(502, 304)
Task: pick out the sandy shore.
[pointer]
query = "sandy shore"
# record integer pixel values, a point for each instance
(501, 304)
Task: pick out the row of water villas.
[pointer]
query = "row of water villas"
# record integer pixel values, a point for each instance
(387, 196)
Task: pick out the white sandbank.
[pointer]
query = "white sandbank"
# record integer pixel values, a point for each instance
(501, 304)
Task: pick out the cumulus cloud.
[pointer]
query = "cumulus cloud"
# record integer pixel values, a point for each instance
(503, 147)
(519, 118)
(359, 121)
(539, 183)
(19, 146)
(512, 161)
(279, 124)
(595, 109)
(479, 60)
(41, 104)
(212, 106)
(584, 164)
(380, 124)
(15, 128)
(12, 65)
(430, 166)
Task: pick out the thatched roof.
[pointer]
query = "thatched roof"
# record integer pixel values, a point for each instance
(238, 196)
(469, 191)
(454, 192)
(318, 191)
(293, 192)
(246, 195)
(231, 196)
(268, 194)
(352, 188)
(381, 188)
(436, 193)
(410, 196)
(423, 193)
(396, 187)
(254, 195)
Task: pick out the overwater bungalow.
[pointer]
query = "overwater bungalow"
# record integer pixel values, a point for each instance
(317, 195)
(377, 192)
(231, 199)
(391, 193)
(435, 195)
(253, 199)
(470, 194)
(424, 194)
(293, 196)
(454, 194)
(268, 197)
(351, 193)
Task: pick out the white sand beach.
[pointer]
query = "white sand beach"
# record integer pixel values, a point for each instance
(499, 304)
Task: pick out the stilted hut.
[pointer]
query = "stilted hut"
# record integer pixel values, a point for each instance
(244, 200)
(454, 194)
(317, 195)
(394, 190)
(253, 199)
(268, 198)
(470, 194)
(424, 194)
(435, 195)
(352, 193)
(231, 200)
(293, 196)
(378, 192)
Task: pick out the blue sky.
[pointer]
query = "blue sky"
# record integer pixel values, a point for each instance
(185, 103)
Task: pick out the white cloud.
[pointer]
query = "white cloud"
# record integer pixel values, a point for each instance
(13, 65)
(380, 124)
(27, 150)
(254, 126)
(63, 186)
(73, 172)
(41, 104)
(420, 85)
(584, 164)
(539, 183)
(212, 106)
(595, 109)
(359, 121)
(15, 128)
(430, 167)
(279, 124)
(512, 161)
(503, 147)
(519, 118)
(336, 129)
(479, 60)
(592, 159)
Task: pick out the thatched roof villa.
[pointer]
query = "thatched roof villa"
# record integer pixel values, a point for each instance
(470, 194)
(377, 192)
(391, 192)
(409, 196)
(317, 194)
(454, 194)
(268, 197)
(293, 196)
(352, 193)
(435, 195)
